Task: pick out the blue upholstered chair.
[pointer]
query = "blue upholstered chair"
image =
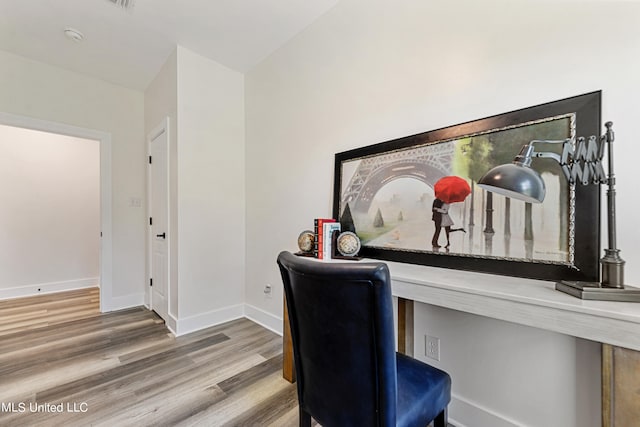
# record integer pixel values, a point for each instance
(348, 372)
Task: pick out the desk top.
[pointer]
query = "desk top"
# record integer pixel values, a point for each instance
(527, 302)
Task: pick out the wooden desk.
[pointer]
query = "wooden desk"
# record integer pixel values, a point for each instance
(526, 302)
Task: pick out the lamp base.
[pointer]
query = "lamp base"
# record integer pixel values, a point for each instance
(594, 291)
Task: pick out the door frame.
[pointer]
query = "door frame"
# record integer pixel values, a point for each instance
(163, 126)
(104, 138)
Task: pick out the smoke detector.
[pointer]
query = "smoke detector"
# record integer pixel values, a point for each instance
(73, 34)
(125, 4)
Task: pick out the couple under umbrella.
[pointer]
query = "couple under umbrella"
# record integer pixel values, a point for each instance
(450, 189)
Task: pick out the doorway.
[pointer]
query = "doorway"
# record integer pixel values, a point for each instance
(104, 140)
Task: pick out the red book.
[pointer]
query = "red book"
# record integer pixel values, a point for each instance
(318, 232)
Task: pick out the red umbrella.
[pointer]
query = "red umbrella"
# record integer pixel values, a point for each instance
(452, 189)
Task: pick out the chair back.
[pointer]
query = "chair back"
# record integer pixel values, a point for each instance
(341, 318)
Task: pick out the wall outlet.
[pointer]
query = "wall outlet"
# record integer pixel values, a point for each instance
(267, 291)
(432, 347)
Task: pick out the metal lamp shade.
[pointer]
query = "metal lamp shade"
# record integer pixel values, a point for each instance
(515, 181)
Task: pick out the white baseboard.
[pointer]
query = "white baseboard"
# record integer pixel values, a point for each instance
(125, 301)
(465, 413)
(213, 318)
(47, 288)
(171, 323)
(263, 318)
(210, 318)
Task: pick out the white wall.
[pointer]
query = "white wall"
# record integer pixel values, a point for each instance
(508, 375)
(160, 102)
(205, 104)
(50, 212)
(369, 71)
(211, 190)
(43, 92)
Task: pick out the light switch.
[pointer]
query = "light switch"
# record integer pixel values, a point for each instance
(135, 202)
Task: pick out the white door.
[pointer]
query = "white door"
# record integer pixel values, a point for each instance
(159, 204)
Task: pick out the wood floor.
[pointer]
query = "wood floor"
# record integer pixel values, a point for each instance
(125, 368)
(62, 363)
(23, 314)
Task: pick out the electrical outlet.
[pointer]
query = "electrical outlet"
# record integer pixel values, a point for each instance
(432, 347)
(267, 291)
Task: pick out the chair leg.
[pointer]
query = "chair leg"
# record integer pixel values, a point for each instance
(305, 419)
(441, 419)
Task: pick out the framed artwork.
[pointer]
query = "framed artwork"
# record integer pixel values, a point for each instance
(393, 196)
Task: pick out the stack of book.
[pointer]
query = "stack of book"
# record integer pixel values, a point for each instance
(323, 228)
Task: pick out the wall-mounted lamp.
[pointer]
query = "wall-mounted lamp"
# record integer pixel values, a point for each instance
(581, 163)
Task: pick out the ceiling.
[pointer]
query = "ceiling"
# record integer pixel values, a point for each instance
(128, 47)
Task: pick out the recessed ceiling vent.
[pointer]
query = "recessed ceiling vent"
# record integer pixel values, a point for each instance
(125, 4)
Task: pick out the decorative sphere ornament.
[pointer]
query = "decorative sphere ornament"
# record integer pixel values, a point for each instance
(348, 243)
(305, 241)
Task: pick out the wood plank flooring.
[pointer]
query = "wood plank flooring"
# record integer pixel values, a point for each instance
(62, 363)
(22, 314)
(125, 368)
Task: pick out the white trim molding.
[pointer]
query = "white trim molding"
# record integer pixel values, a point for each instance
(263, 318)
(172, 323)
(106, 243)
(209, 318)
(127, 301)
(30, 290)
(468, 413)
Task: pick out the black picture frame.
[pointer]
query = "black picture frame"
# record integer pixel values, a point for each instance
(578, 232)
